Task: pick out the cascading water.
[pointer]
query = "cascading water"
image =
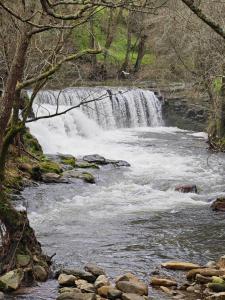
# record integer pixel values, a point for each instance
(109, 107)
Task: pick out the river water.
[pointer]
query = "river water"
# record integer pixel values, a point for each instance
(132, 219)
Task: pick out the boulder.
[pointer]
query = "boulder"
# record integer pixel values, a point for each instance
(95, 158)
(177, 265)
(79, 274)
(85, 286)
(53, 178)
(218, 204)
(156, 281)
(23, 260)
(117, 163)
(114, 293)
(102, 280)
(129, 296)
(85, 176)
(40, 273)
(217, 287)
(133, 287)
(12, 280)
(94, 269)
(66, 280)
(109, 292)
(76, 296)
(103, 291)
(86, 165)
(208, 272)
(187, 188)
(127, 277)
(2, 296)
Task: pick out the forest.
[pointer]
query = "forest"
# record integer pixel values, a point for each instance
(112, 141)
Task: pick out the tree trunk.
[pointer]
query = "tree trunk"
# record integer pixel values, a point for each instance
(124, 67)
(141, 52)
(221, 112)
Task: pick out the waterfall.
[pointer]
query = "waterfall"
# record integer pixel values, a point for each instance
(112, 108)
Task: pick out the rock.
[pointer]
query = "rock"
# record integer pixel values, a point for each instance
(40, 273)
(133, 287)
(11, 281)
(202, 279)
(23, 260)
(218, 204)
(94, 269)
(204, 272)
(85, 286)
(156, 281)
(2, 296)
(86, 165)
(79, 274)
(118, 163)
(95, 158)
(127, 277)
(76, 296)
(53, 178)
(217, 287)
(216, 279)
(166, 290)
(176, 265)
(66, 280)
(218, 296)
(114, 293)
(69, 290)
(188, 188)
(85, 176)
(130, 296)
(221, 263)
(190, 289)
(103, 291)
(102, 280)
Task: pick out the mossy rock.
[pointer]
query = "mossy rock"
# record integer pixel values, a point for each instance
(43, 168)
(69, 161)
(23, 260)
(88, 177)
(217, 287)
(50, 167)
(86, 165)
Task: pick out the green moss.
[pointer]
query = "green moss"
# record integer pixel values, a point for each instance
(88, 177)
(31, 143)
(69, 161)
(50, 167)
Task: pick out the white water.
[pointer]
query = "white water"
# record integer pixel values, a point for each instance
(155, 169)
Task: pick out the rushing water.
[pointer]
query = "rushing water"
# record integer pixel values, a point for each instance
(131, 219)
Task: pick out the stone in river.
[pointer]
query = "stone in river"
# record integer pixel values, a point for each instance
(94, 269)
(218, 204)
(95, 158)
(66, 280)
(178, 265)
(187, 188)
(156, 281)
(133, 287)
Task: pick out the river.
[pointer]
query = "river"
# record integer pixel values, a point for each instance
(132, 219)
